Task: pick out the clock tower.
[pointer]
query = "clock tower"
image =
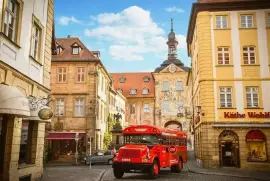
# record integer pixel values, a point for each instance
(172, 44)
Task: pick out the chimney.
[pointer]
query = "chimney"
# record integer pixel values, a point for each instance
(68, 36)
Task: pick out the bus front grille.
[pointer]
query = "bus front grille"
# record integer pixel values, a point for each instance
(130, 153)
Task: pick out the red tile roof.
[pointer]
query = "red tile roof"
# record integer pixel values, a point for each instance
(66, 54)
(134, 81)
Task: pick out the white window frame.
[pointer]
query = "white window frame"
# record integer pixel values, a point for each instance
(60, 75)
(80, 74)
(133, 91)
(164, 83)
(227, 93)
(253, 92)
(59, 49)
(245, 21)
(220, 22)
(35, 41)
(249, 52)
(145, 91)
(8, 16)
(164, 108)
(74, 52)
(79, 107)
(223, 53)
(59, 106)
(179, 85)
(147, 108)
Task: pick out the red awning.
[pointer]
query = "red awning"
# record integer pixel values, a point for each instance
(255, 135)
(63, 136)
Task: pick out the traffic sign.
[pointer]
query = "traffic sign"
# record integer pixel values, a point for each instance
(172, 149)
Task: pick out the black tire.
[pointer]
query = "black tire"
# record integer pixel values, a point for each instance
(118, 173)
(154, 170)
(110, 162)
(177, 168)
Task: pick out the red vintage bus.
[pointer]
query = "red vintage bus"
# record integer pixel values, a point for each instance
(148, 148)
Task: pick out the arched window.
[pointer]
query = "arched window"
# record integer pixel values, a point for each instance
(122, 79)
(120, 90)
(133, 91)
(256, 146)
(145, 91)
(146, 79)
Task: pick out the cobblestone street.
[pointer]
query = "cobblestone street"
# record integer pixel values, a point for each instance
(166, 175)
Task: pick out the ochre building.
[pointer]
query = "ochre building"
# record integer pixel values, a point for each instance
(229, 44)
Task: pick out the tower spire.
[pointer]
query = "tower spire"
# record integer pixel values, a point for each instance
(171, 25)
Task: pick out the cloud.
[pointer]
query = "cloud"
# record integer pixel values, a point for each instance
(64, 20)
(174, 9)
(132, 33)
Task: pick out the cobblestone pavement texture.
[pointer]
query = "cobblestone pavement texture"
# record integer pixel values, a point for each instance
(166, 175)
(73, 173)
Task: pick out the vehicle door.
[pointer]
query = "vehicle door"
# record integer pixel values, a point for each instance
(107, 156)
(164, 152)
(97, 157)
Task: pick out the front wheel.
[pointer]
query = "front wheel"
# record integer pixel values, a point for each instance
(118, 173)
(154, 170)
(177, 168)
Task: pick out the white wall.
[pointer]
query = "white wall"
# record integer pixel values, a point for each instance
(18, 58)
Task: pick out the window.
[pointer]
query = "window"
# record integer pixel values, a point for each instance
(79, 107)
(60, 107)
(252, 96)
(59, 49)
(256, 146)
(102, 84)
(246, 21)
(133, 91)
(165, 86)
(166, 106)
(225, 97)
(179, 105)
(146, 79)
(75, 50)
(62, 74)
(35, 41)
(146, 108)
(221, 22)
(179, 86)
(28, 140)
(80, 74)
(120, 90)
(132, 108)
(11, 19)
(223, 56)
(122, 79)
(249, 55)
(145, 91)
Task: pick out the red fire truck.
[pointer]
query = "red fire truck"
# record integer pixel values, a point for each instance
(148, 148)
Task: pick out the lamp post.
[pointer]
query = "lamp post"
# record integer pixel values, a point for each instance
(76, 154)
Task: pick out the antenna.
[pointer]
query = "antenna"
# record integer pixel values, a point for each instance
(171, 25)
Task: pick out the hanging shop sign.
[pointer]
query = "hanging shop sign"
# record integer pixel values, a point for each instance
(249, 115)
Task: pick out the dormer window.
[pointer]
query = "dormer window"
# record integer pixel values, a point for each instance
(59, 49)
(145, 91)
(133, 91)
(120, 90)
(76, 49)
(122, 79)
(146, 79)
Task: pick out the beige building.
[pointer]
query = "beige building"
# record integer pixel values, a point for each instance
(228, 42)
(25, 61)
(80, 89)
(170, 89)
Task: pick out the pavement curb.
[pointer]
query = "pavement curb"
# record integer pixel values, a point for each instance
(224, 174)
(101, 175)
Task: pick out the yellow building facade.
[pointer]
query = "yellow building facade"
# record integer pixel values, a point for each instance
(229, 44)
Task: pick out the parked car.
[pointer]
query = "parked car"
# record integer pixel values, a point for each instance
(100, 156)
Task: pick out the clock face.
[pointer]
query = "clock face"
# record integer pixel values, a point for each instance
(172, 68)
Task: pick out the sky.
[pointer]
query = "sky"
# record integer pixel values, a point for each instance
(131, 35)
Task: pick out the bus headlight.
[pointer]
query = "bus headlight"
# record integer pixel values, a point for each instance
(145, 160)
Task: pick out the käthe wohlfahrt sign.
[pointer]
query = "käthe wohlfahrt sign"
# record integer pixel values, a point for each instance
(249, 114)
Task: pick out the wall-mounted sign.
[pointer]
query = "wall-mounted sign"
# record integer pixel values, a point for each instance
(45, 113)
(249, 114)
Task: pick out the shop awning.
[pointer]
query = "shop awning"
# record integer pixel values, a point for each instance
(255, 135)
(63, 135)
(12, 101)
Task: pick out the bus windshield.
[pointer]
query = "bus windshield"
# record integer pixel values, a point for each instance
(141, 139)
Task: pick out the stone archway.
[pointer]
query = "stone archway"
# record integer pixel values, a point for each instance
(173, 125)
(229, 149)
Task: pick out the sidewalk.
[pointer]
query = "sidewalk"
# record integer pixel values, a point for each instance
(72, 173)
(233, 172)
